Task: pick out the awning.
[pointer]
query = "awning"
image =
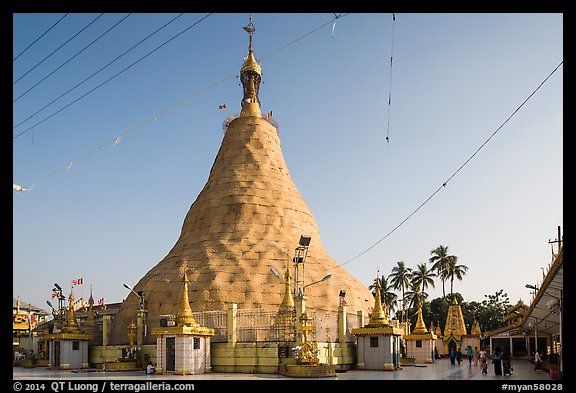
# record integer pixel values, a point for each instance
(544, 314)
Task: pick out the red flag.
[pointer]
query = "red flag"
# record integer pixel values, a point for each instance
(77, 282)
(101, 301)
(223, 106)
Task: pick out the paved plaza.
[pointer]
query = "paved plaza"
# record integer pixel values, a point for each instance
(441, 370)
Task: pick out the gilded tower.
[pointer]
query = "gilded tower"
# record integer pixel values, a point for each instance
(246, 218)
(455, 327)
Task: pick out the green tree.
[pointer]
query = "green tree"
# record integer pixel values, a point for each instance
(489, 313)
(440, 260)
(423, 278)
(439, 308)
(400, 279)
(455, 270)
(494, 309)
(415, 295)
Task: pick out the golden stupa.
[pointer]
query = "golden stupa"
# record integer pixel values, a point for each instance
(248, 218)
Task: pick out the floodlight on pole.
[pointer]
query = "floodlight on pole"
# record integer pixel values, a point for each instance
(530, 286)
(49, 304)
(139, 294)
(327, 277)
(58, 286)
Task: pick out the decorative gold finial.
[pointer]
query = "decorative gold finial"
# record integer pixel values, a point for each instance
(420, 327)
(250, 76)
(131, 334)
(288, 300)
(378, 316)
(185, 316)
(71, 325)
(250, 29)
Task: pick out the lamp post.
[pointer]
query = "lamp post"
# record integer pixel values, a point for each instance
(535, 324)
(299, 288)
(141, 326)
(61, 298)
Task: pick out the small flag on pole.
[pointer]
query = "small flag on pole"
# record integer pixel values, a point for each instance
(268, 115)
(223, 106)
(54, 294)
(101, 301)
(77, 282)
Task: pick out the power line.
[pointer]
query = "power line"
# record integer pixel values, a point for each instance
(457, 170)
(36, 40)
(155, 117)
(101, 69)
(390, 85)
(57, 49)
(72, 58)
(109, 79)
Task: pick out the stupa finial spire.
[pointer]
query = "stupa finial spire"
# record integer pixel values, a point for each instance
(250, 76)
(250, 29)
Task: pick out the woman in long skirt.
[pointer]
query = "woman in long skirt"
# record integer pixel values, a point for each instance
(507, 362)
(475, 356)
(496, 361)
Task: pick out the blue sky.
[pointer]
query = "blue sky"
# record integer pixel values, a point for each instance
(455, 79)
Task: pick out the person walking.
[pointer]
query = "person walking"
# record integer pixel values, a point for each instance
(537, 361)
(458, 355)
(483, 361)
(475, 355)
(469, 353)
(496, 361)
(507, 362)
(452, 356)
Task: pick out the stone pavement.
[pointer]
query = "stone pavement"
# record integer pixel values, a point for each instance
(441, 370)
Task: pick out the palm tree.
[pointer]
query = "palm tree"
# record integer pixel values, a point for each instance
(415, 295)
(400, 279)
(388, 297)
(423, 278)
(455, 270)
(440, 260)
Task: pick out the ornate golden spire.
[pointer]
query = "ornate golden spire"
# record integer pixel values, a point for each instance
(288, 300)
(71, 325)
(420, 327)
(185, 316)
(90, 320)
(378, 316)
(454, 320)
(250, 76)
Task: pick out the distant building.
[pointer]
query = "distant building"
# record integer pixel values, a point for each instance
(25, 318)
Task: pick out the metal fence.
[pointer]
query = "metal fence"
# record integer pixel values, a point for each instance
(255, 325)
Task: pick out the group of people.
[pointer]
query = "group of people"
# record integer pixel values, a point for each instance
(502, 361)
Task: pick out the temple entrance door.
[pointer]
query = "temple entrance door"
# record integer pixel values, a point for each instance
(170, 354)
(56, 354)
(451, 346)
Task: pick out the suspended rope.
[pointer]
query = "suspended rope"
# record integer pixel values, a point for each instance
(37, 39)
(95, 73)
(111, 78)
(455, 172)
(336, 17)
(390, 83)
(57, 49)
(116, 139)
(70, 59)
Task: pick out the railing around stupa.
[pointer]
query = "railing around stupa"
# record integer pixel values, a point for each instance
(257, 325)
